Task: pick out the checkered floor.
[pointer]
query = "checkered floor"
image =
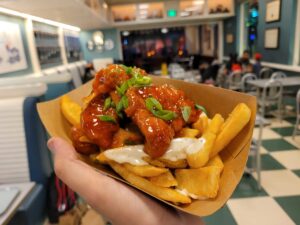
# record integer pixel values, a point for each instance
(279, 200)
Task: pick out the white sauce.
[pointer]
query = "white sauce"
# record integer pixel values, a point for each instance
(196, 147)
(186, 193)
(128, 154)
(134, 154)
(177, 149)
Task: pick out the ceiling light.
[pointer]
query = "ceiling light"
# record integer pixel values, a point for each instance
(143, 6)
(164, 30)
(38, 19)
(104, 5)
(143, 12)
(198, 2)
(125, 33)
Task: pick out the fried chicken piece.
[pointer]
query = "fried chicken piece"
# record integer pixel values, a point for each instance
(98, 131)
(157, 132)
(82, 147)
(108, 78)
(172, 99)
(125, 137)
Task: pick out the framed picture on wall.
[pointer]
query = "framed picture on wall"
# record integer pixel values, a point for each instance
(273, 11)
(12, 54)
(272, 38)
(229, 38)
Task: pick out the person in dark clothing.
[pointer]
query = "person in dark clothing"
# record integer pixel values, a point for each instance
(211, 72)
(257, 65)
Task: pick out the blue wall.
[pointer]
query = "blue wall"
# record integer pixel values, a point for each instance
(284, 54)
(88, 55)
(21, 24)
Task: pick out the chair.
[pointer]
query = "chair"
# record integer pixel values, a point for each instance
(278, 75)
(271, 96)
(246, 88)
(72, 69)
(265, 73)
(24, 156)
(296, 129)
(234, 80)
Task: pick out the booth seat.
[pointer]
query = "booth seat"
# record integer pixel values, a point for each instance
(24, 156)
(102, 63)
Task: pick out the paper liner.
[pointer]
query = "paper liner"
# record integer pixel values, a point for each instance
(215, 100)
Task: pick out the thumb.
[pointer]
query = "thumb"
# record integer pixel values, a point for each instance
(61, 149)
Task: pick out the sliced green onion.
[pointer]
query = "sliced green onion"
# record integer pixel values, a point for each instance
(164, 114)
(156, 109)
(107, 103)
(119, 106)
(186, 112)
(122, 89)
(124, 100)
(107, 118)
(152, 103)
(201, 108)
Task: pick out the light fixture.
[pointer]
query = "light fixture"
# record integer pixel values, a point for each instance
(143, 6)
(125, 33)
(38, 19)
(143, 12)
(198, 2)
(104, 5)
(164, 30)
(98, 38)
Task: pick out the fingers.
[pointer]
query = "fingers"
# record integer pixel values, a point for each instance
(114, 200)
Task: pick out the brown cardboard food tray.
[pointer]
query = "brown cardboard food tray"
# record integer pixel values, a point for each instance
(215, 100)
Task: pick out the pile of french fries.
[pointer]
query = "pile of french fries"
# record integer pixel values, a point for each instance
(183, 180)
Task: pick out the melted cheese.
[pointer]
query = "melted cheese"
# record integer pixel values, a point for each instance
(179, 149)
(128, 154)
(196, 146)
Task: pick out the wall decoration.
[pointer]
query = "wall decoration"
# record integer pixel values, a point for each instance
(273, 11)
(272, 38)
(229, 38)
(207, 37)
(109, 44)
(12, 57)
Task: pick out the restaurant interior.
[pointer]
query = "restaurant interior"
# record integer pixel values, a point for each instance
(49, 48)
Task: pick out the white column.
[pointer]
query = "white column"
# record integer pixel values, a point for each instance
(297, 37)
(241, 27)
(31, 46)
(61, 43)
(221, 41)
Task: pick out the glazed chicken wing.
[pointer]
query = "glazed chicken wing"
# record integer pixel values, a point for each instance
(129, 90)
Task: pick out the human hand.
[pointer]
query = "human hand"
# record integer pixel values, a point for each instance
(114, 200)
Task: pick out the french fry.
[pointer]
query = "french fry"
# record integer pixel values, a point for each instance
(145, 171)
(215, 161)
(202, 182)
(201, 124)
(181, 163)
(154, 162)
(164, 180)
(188, 132)
(198, 153)
(102, 158)
(86, 100)
(167, 194)
(71, 110)
(236, 121)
